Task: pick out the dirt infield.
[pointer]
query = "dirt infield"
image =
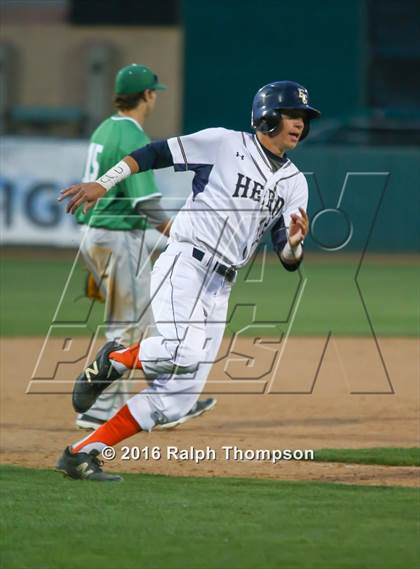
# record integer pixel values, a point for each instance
(317, 403)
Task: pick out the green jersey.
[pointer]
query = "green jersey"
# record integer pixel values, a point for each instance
(116, 137)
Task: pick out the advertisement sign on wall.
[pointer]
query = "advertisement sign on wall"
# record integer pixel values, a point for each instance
(32, 173)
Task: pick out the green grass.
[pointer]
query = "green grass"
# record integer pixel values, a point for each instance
(31, 292)
(330, 299)
(261, 304)
(196, 523)
(386, 456)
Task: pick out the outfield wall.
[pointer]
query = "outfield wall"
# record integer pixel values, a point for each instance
(380, 197)
(233, 48)
(379, 189)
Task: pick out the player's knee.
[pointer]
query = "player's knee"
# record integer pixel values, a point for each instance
(187, 359)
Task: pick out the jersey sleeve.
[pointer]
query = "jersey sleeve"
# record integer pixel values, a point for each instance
(279, 231)
(298, 198)
(142, 186)
(192, 150)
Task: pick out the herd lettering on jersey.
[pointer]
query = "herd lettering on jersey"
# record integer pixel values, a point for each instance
(246, 187)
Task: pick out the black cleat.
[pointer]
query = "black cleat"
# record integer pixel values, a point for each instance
(84, 466)
(95, 378)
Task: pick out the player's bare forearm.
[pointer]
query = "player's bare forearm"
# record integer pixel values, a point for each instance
(165, 228)
(88, 193)
(134, 167)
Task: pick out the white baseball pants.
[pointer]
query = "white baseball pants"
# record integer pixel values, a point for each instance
(189, 303)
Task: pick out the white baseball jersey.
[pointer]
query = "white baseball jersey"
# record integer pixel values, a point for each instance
(236, 196)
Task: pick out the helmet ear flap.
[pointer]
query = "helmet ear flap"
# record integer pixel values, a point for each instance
(268, 122)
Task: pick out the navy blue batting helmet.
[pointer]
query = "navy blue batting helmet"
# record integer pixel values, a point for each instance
(280, 96)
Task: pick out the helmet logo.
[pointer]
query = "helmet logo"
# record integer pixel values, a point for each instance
(303, 96)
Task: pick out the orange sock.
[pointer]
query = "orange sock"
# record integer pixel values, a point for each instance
(119, 427)
(128, 357)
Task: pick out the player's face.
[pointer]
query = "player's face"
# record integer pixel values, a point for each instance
(288, 136)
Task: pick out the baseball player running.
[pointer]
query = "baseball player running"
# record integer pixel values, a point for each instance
(113, 245)
(244, 185)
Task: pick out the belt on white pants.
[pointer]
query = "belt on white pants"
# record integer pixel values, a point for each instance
(228, 272)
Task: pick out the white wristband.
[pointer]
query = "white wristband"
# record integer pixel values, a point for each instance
(292, 253)
(116, 174)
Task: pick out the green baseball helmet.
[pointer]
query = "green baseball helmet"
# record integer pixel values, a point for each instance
(136, 78)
